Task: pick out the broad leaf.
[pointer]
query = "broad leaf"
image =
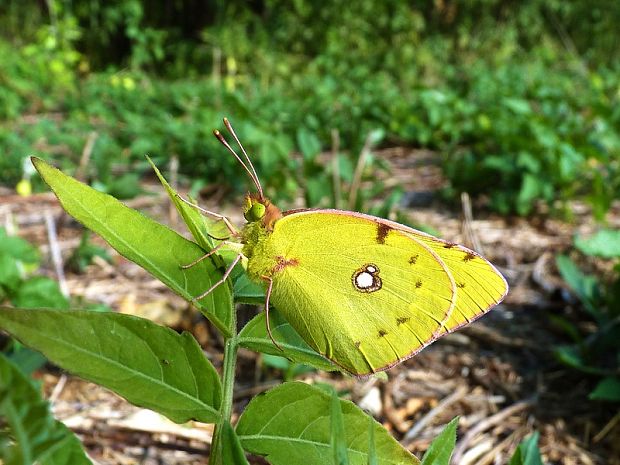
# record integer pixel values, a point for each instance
(34, 433)
(254, 336)
(338, 437)
(149, 365)
(290, 425)
(68, 452)
(232, 452)
(196, 223)
(153, 246)
(527, 452)
(27, 360)
(246, 291)
(607, 389)
(372, 451)
(17, 248)
(441, 448)
(584, 286)
(39, 291)
(605, 243)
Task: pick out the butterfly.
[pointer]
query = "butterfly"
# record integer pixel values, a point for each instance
(365, 292)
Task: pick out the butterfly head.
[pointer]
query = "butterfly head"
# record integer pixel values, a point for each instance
(257, 208)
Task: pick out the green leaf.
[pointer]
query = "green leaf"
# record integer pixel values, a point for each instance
(372, 450)
(607, 389)
(441, 448)
(10, 276)
(336, 431)
(27, 360)
(572, 357)
(39, 291)
(308, 143)
(197, 224)
(149, 365)
(517, 105)
(34, 432)
(18, 248)
(153, 246)
(247, 291)
(584, 286)
(605, 243)
(68, 452)
(530, 190)
(527, 452)
(232, 452)
(275, 361)
(290, 425)
(254, 337)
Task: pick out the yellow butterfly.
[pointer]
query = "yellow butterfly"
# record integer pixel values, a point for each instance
(365, 292)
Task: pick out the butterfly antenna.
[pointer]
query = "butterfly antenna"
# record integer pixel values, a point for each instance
(252, 175)
(234, 134)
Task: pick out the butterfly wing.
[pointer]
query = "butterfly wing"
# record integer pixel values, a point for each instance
(368, 293)
(479, 285)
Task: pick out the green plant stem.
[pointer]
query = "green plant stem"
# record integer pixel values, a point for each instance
(228, 383)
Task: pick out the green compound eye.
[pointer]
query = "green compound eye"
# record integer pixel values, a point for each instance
(255, 212)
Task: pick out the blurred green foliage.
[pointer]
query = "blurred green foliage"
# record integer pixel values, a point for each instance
(521, 99)
(595, 336)
(18, 287)
(17, 259)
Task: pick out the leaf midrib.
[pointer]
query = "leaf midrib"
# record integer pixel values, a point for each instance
(285, 439)
(124, 368)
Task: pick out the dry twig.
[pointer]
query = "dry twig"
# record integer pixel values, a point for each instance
(485, 424)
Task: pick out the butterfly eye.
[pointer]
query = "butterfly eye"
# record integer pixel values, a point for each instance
(255, 212)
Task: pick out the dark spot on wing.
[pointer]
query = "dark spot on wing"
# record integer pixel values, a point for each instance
(382, 332)
(282, 262)
(461, 285)
(418, 284)
(449, 245)
(357, 344)
(401, 320)
(413, 259)
(382, 232)
(469, 256)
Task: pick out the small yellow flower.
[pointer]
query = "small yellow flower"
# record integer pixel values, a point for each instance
(24, 188)
(129, 83)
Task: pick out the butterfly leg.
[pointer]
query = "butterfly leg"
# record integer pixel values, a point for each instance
(199, 259)
(226, 221)
(222, 280)
(267, 296)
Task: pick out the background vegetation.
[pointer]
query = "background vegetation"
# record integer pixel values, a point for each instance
(521, 99)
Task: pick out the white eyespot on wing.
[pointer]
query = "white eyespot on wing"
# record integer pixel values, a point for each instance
(366, 278)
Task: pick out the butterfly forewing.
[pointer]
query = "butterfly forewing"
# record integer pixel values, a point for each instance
(362, 293)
